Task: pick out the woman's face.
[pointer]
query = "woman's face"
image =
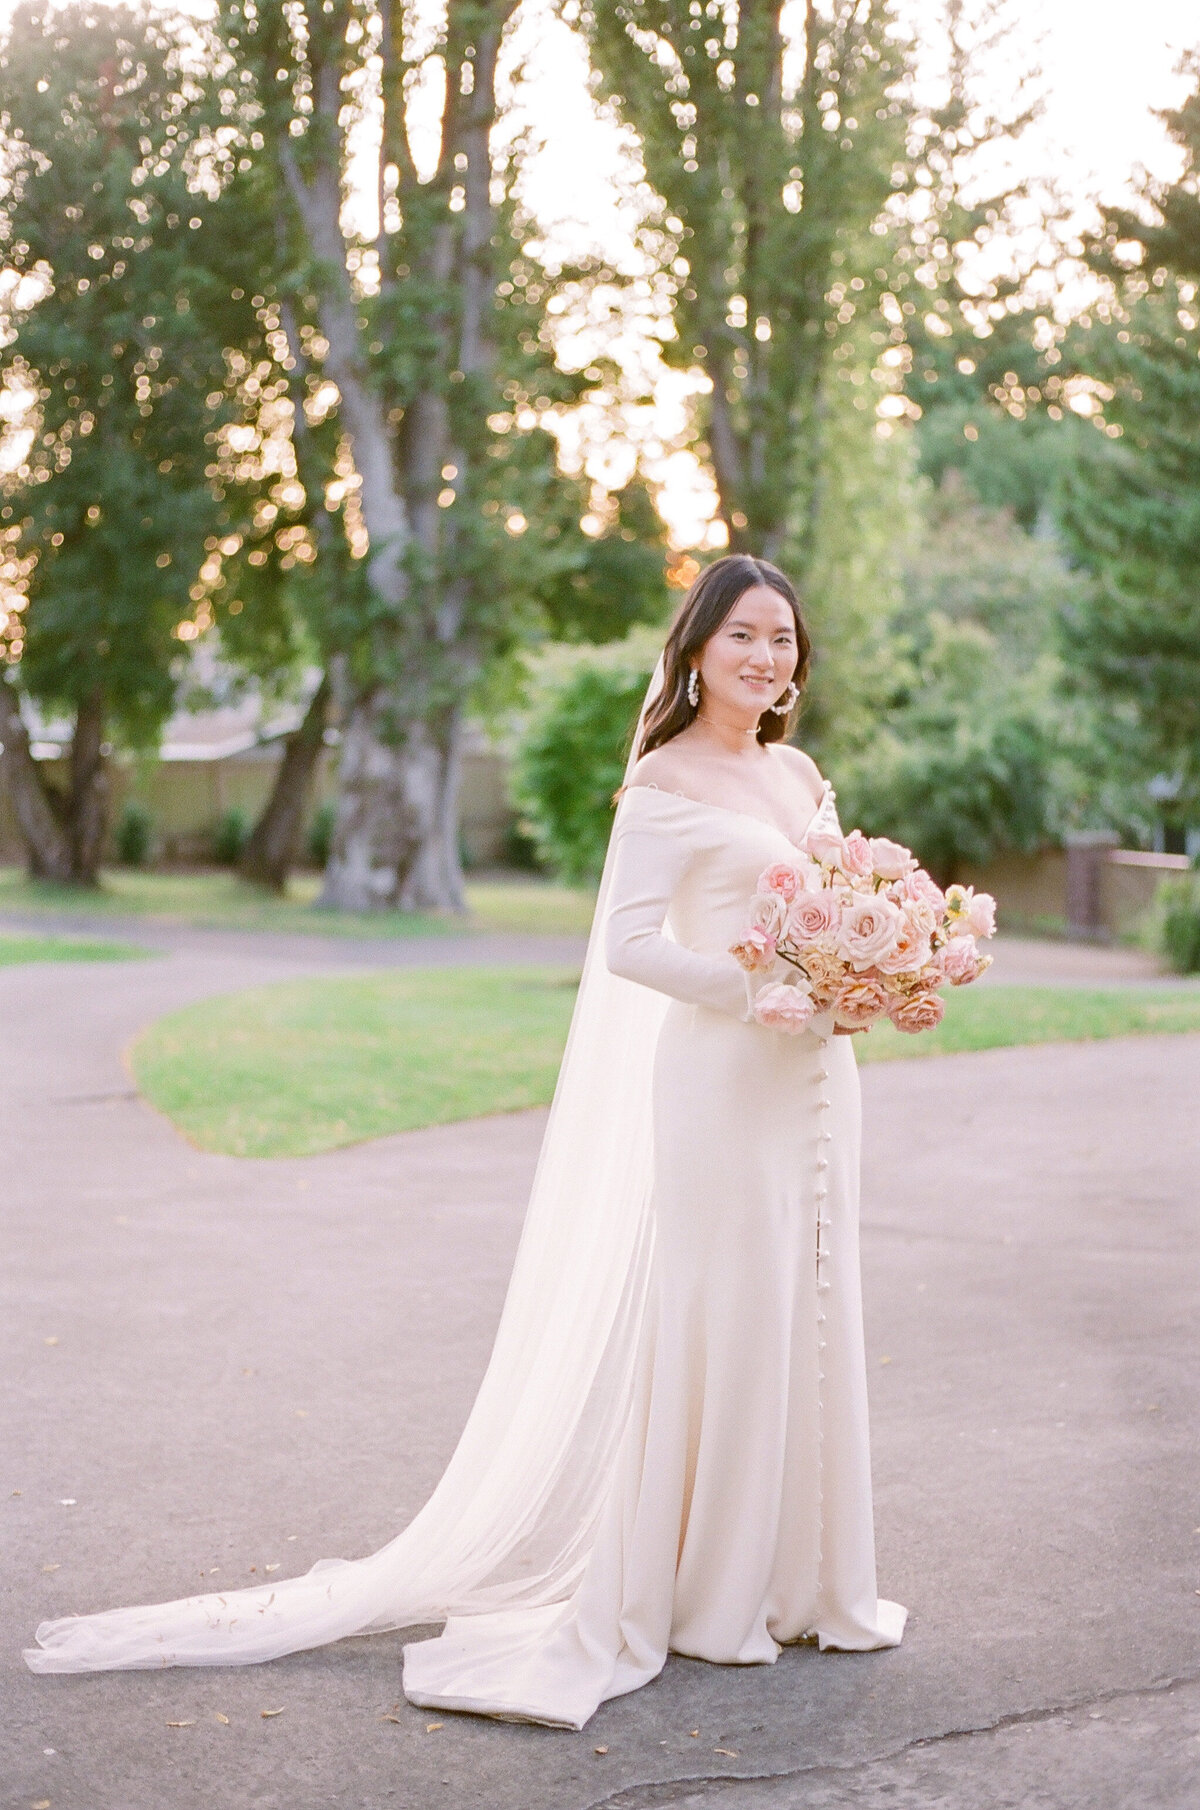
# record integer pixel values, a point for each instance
(747, 664)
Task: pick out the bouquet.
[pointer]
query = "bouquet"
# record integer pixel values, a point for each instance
(869, 933)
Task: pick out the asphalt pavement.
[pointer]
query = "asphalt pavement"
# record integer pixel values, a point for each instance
(217, 1367)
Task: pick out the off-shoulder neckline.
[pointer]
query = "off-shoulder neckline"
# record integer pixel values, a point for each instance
(726, 810)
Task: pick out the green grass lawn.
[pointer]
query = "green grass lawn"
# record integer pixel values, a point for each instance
(303, 1066)
(15, 950)
(222, 901)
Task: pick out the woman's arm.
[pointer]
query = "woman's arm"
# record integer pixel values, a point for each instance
(648, 866)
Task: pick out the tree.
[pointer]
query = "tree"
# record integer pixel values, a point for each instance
(770, 186)
(1132, 503)
(116, 387)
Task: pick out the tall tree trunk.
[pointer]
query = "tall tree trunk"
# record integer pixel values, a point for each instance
(48, 848)
(64, 835)
(273, 847)
(87, 804)
(395, 836)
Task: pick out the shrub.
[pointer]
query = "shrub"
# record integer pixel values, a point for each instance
(320, 833)
(571, 756)
(229, 837)
(1179, 923)
(134, 835)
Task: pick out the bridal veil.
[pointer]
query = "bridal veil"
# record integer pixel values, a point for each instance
(512, 1519)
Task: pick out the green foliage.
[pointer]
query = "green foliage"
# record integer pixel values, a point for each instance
(974, 749)
(111, 512)
(134, 835)
(572, 752)
(1131, 514)
(1178, 911)
(229, 837)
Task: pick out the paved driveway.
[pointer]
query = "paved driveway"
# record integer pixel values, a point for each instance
(217, 1365)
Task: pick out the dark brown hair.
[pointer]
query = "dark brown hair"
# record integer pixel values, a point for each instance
(701, 614)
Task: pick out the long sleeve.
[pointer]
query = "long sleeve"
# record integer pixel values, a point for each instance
(648, 867)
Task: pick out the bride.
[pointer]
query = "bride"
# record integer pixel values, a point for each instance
(669, 1448)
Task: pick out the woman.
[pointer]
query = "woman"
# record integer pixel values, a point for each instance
(669, 1448)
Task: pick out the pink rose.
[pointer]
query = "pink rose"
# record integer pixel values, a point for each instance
(785, 1006)
(960, 960)
(857, 862)
(769, 913)
(919, 1012)
(981, 915)
(784, 878)
(912, 950)
(753, 950)
(891, 860)
(919, 885)
(814, 918)
(825, 846)
(859, 1003)
(869, 927)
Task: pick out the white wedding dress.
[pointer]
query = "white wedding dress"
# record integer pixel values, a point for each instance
(669, 1451)
(739, 1515)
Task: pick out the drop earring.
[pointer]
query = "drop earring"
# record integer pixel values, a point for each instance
(786, 701)
(693, 689)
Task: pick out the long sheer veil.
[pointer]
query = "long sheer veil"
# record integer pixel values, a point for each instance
(512, 1519)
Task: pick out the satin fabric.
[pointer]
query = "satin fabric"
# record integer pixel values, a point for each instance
(738, 1515)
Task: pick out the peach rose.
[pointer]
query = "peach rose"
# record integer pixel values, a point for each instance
(784, 878)
(981, 915)
(785, 1006)
(891, 860)
(919, 1012)
(754, 950)
(869, 927)
(769, 913)
(814, 918)
(856, 862)
(859, 1003)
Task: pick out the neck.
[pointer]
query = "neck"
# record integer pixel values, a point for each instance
(733, 736)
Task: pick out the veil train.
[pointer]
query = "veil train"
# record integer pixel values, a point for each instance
(512, 1519)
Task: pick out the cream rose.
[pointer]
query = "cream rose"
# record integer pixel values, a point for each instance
(785, 1006)
(981, 915)
(825, 846)
(912, 950)
(826, 973)
(769, 913)
(869, 927)
(891, 860)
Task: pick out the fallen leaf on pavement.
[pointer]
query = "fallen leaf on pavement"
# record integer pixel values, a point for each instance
(264, 1713)
(49, 1341)
(430, 1726)
(51, 1567)
(386, 1718)
(220, 1718)
(599, 1749)
(729, 1752)
(181, 1725)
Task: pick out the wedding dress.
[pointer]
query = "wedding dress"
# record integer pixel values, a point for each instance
(740, 1512)
(669, 1449)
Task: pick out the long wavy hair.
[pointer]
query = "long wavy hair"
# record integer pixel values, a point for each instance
(701, 614)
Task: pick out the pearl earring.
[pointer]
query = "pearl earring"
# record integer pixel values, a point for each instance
(693, 689)
(786, 701)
